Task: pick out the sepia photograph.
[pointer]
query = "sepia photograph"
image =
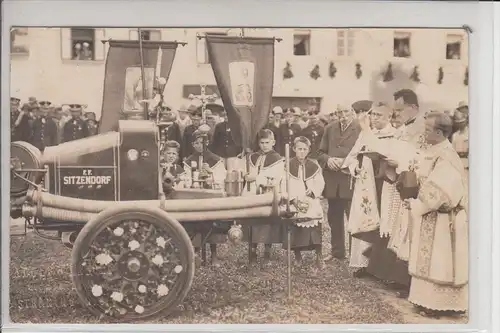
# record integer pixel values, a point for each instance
(239, 175)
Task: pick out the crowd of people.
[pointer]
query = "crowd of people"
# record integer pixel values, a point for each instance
(43, 124)
(396, 173)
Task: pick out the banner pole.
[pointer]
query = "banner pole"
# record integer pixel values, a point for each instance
(143, 79)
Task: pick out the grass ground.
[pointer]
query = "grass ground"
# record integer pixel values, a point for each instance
(41, 291)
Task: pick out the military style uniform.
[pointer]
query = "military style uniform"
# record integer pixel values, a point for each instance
(93, 126)
(21, 132)
(222, 143)
(75, 129)
(44, 133)
(314, 132)
(286, 134)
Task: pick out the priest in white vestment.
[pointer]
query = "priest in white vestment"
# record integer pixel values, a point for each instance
(438, 259)
(372, 194)
(389, 255)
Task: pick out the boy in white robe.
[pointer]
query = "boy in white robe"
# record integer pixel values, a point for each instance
(438, 259)
(306, 186)
(266, 171)
(212, 173)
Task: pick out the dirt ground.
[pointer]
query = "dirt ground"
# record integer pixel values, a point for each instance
(41, 291)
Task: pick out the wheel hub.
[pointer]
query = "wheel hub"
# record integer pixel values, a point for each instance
(133, 265)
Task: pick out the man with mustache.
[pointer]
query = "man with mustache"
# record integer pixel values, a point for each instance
(338, 139)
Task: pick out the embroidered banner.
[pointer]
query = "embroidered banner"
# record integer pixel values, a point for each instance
(123, 77)
(244, 72)
(241, 76)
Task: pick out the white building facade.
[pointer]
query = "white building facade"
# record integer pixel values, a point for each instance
(49, 64)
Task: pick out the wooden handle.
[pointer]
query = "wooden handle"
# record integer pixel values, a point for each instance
(287, 175)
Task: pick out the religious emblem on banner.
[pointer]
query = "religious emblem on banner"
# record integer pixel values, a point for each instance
(133, 88)
(241, 75)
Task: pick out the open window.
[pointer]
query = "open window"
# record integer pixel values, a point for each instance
(201, 47)
(154, 35)
(19, 42)
(302, 43)
(345, 42)
(402, 44)
(84, 44)
(453, 47)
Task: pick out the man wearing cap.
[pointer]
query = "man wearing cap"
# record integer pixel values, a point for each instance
(337, 141)
(57, 116)
(187, 138)
(463, 107)
(277, 113)
(76, 128)
(44, 129)
(287, 132)
(301, 117)
(275, 120)
(92, 123)
(183, 119)
(223, 144)
(20, 129)
(313, 132)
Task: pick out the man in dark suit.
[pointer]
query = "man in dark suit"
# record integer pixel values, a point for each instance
(44, 129)
(287, 132)
(338, 139)
(20, 128)
(172, 132)
(187, 139)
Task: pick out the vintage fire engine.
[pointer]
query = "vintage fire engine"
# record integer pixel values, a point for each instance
(132, 255)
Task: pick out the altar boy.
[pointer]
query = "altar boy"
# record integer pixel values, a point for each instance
(306, 185)
(171, 168)
(213, 174)
(266, 171)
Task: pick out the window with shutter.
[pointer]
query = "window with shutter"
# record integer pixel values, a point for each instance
(401, 45)
(345, 42)
(302, 43)
(453, 47)
(99, 46)
(66, 44)
(145, 34)
(19, 41)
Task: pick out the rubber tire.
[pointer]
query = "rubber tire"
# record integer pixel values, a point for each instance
(111, 216)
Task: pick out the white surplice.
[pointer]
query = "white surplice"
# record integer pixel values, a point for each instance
(308, 176)
(217, 176)
(405, 150)
(438, 261)
(365, 215)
